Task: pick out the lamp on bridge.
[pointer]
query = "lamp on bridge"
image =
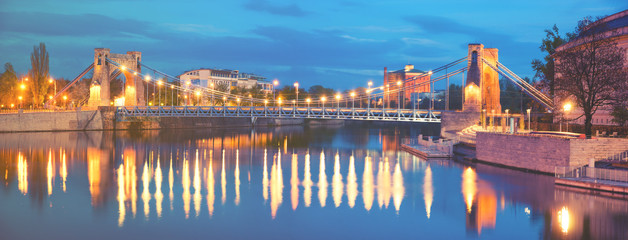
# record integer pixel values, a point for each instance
(399, 93)
(224, 101)
(352, 100)
(20, 98)
(323, 98)
(198, 97)
(529, 127)
(296, 89)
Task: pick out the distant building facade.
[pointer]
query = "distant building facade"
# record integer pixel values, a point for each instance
(204, 77)
(614, 27)
(408, 76)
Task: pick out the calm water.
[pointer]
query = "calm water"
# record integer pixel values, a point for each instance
(278, 183)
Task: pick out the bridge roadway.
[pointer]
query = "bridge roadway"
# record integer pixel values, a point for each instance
(365, 114)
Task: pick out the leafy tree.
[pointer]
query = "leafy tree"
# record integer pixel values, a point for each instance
(592, 72)
(545, 68)
(8, 85)
(620, 115)
(455, 97)
(39, 74)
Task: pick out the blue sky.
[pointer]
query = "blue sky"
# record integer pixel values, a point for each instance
(339, 44)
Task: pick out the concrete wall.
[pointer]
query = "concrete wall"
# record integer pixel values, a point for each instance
(452, 122)
(541, 153)
(51, 121)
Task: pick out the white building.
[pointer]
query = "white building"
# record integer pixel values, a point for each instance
(204, 77)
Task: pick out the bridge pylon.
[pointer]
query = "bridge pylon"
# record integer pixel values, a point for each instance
(104, 71)
(481, 89)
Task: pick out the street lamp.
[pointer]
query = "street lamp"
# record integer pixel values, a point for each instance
(198, 97)
(352, 102)
(507, 120)
(224, 101)
(65, 101)
(20, 98)
(399, 93)
(566, 108)
(172, 94)
(159, 83)
(338, 104)
(251, 98)
(323, 98)
(368, 96)
(296, 89)
(211, 85)
(275, 84)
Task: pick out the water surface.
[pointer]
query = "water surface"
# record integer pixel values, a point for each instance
(278, 183)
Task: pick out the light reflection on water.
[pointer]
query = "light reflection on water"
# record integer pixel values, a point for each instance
(277, 179)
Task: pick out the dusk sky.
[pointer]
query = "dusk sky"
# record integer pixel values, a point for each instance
(339, 44)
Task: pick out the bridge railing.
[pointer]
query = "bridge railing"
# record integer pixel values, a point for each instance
(280, 112)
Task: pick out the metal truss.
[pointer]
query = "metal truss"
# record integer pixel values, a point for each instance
(364, 114)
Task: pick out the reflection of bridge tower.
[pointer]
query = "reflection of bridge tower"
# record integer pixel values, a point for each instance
(100, 94)
(482, 87)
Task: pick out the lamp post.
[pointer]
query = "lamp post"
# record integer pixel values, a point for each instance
(296, 89)
(507, 120)
(265, 106)
(275, 84)
(159, 83)
(65, 101)
(352, 103)
(279, 106)
(399, 93)
(147, 78)
(20, 98)
(323, 98)
(172, 94)
(198, 97)
(368, 97)
(224, 101)
(338, 105)
(52, 81)
(308, 100)
(566, 109)
(211, 85)
(529, 126)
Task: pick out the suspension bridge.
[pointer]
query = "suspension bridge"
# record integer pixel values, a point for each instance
(479, 71)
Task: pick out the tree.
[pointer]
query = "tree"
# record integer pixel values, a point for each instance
(545, 68)
(620, 115)
(455, 97)
(8, 85)
(590, 73)
(39, 73)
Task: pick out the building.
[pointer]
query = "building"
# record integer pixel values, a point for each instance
(410, 80)
(204, 77)
(614, 27)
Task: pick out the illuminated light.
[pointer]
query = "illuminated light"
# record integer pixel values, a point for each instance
(23, 86)
(323, 98)
(197, 186)
(275, 82)
(265, 183)
(159, 82)
(122, 68)
(223, 179)
(211, 85)
(171, 86)
(121, 196)
(65, 97)
(50, 80)
(188, 83)
(296, 84)
(337, 96)
(307, 181)
(384, 184)
(428, 191)
(134, 73)
(294, 182)
(224, 98)
(118, 101)
(22, 173)
(399, 83)
(238, 99)
(185, 181)
(146, 196)
(159, 196)
(563, 219)
(398, 190)
(171, 184)
(308, 100)
(19, 98)
(526, 211)
(430, 72)
(470, 87)
(265, 101)
(210, 184)
(370, 83)
(49, 97)
(49, 173)
(162, 104)
(469, 187)
(322, 181)
(352, 184)
(147, 78)
(276, 185)
(12, 105)
(567, 107)
(352, 94)
(236, 175)
(337, 188)
(63, 171)
(368, 186)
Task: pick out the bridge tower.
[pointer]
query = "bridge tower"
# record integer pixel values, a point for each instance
(481, 89)
(100, 92)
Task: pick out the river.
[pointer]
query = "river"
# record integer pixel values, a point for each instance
(298, 182)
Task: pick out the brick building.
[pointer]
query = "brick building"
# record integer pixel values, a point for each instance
(412, 82)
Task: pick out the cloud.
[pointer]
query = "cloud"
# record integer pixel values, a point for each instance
(291, 10)
(50, 24)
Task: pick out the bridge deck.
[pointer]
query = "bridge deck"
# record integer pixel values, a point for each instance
(366, 114)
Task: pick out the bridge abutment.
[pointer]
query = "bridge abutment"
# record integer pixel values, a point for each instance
(104, 71)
